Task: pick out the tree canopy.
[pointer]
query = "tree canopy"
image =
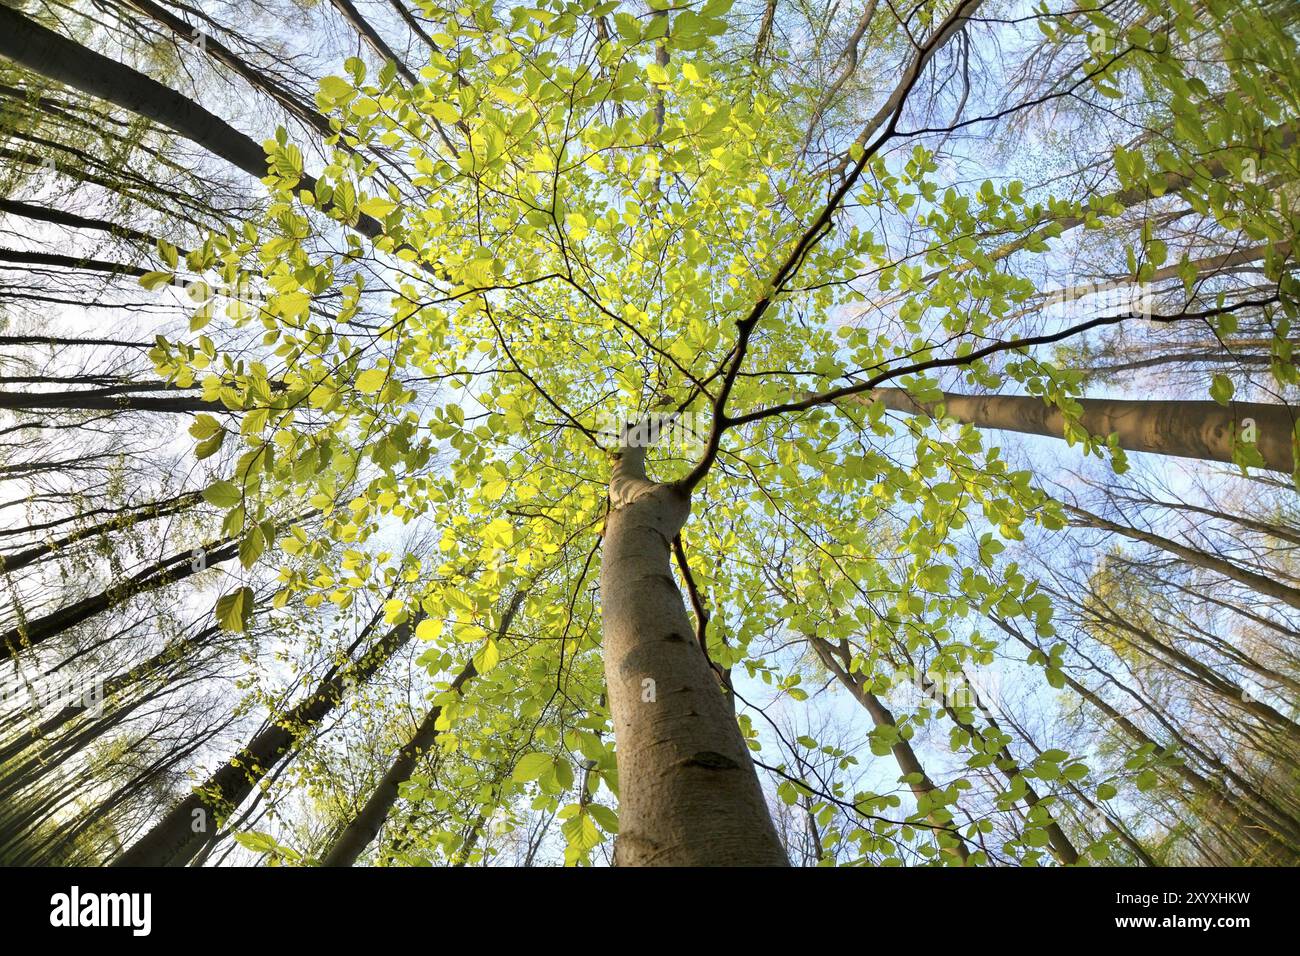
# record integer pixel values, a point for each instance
(588, 432)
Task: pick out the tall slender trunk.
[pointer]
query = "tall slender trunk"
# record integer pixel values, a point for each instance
(162, 509)
(222, 54)
(167, 571)
(688, 792)
(59, 261)
(376, 42)
(1010, 768)
(105, 400)
(923, 788)
(180, 834)
(1193, 556)
(1263, 840)
(1203, 430)
(364, 827)
(72, 220)
(43, 51)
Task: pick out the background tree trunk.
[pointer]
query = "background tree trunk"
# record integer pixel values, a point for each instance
(1201, 430)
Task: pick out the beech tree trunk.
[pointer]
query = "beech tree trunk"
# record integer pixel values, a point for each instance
(688, 792)
(106, 400)
(1263, 840)
(1010, 768)
(1193, 556)
(364, 827)
(120, 522)
(43, 51)
(1203, 430)
(178, 836)
(921, 785)
(171, 569)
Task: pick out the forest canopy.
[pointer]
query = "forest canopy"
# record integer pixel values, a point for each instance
(708, 432)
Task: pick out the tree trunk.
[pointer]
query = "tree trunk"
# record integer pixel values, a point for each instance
(43, 51)
(688, 792)
(364, 827)
(162, 509)
(377, 43)
(1010, 768)
(1193, 556)
(105, 400)
(180, 834)
(922, 787)
(167, 571)
(1203, 430)
(1263, 840)
(72, 220)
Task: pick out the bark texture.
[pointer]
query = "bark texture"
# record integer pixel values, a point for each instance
(1203, 430)
(183, 831)
(688, 792)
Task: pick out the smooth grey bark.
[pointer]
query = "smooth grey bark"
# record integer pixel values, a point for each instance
(183, 831)
(922, 786)
(688, 791)
(364, 827)
(1203, 430)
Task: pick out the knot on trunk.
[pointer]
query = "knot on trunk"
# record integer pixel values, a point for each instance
(709, 760)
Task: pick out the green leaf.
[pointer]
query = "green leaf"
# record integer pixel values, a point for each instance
(257, 842)
(371, 380)
(1222, 389)
(444, 112)
(336, 89)
(532, 766)
(377, 206)
(251, 546)
(234, 611)
(580, 833)
(209, 447)
(223, 494)
(156, 280)
(488, 657)
(604, 816)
